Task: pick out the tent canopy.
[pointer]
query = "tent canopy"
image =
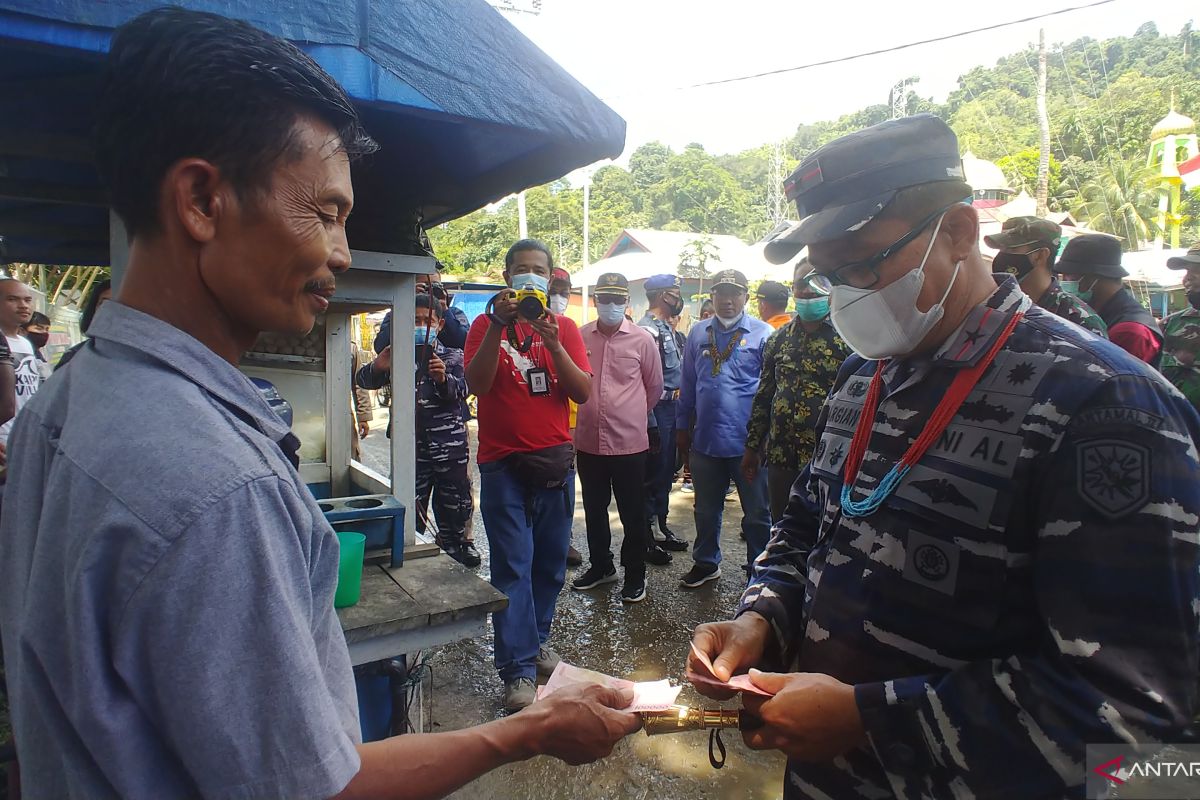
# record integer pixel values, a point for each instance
(465, 108)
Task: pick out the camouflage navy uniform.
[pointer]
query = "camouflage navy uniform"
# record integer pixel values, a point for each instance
(1181, 352)
(1030, 586)
(1058, 301)
(442, 450)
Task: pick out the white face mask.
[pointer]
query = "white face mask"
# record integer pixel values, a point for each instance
(729, 322)
(882, 323)
(558, 303)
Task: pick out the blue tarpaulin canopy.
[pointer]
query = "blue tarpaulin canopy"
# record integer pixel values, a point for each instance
(465, 108)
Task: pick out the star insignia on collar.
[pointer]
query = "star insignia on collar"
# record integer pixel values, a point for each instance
(974, 336)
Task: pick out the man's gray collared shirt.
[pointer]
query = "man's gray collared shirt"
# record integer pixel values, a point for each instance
(166, 584)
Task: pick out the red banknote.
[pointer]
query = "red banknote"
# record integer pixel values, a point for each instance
(737, 683)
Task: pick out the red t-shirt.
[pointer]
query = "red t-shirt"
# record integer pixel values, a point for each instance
(1136, 339)
(511, 420)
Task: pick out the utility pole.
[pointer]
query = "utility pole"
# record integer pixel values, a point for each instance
(775, 184)
(587, 202)
(1043, 174)
(522, 220)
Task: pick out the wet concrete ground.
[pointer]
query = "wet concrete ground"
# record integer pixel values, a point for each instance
(644, 641)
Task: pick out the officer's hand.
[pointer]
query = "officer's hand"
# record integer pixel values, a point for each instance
(683, 440)
(547, 328)
(437, 369)
(655, 440)
(580, 724)
(811, 717)
(383, 361)
(364, 428)
(505, 307)
(751, 461)
(731, 646)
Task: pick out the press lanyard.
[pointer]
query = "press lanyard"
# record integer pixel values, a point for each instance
(962, 385)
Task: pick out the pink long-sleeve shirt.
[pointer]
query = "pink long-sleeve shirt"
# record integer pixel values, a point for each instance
(627, 383)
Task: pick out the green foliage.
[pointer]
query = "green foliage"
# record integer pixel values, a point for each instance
(1103, 99)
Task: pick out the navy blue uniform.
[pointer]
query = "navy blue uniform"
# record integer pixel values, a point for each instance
(1030, 586)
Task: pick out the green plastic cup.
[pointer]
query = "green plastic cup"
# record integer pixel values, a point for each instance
(350, 568)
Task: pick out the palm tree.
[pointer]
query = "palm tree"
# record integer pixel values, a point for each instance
(1123, 200)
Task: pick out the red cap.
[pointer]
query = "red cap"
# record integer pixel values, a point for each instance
(560, 274)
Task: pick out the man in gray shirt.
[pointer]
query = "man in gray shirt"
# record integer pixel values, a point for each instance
(166, 580)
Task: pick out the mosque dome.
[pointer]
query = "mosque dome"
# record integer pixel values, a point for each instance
(983, 175)
(1173, 123)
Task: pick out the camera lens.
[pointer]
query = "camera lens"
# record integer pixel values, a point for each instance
(530, 308)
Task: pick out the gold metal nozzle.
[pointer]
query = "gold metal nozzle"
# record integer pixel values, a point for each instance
(683, 718)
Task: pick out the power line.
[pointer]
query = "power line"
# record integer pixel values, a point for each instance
(856, 56)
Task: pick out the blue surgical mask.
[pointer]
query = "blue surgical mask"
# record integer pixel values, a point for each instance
(423, 335)
(531, 280)
(812, 309)
(610, 313)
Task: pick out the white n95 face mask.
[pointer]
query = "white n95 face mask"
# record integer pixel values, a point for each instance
(884, 323)
(558, 303)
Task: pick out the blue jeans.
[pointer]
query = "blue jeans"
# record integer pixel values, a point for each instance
(528, 535)
(711, 477)
(660, 467)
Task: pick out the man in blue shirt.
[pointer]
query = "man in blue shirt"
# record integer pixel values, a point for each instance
(721, 365)
(166, 578)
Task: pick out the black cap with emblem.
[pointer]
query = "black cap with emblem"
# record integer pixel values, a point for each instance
(612, 283)
(843, 185)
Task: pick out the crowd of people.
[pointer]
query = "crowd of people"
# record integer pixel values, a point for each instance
(969, 498)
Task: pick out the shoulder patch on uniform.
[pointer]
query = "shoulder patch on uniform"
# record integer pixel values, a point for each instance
(1113, 475)
(1106, 416)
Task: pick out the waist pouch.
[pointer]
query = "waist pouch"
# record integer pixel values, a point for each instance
(543, 469)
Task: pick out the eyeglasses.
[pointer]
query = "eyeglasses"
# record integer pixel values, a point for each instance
(865, 273)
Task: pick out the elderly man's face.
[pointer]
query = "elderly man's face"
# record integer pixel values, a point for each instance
(273, 262)
(729, 301)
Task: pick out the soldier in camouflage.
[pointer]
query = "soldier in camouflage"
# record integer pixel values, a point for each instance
(1028, 248)
(442, 450)
(1181, 332)
(800, 362)
(992, 559)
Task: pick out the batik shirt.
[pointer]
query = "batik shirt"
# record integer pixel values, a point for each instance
(1181, 352)
(1058, 301)
(798, 371)
(1030, 586)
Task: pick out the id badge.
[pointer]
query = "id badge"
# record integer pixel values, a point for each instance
(539, 381)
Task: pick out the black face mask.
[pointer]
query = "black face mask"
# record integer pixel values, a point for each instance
(1193, 297)
(38, 339)
(676, 308)
(1016, 264)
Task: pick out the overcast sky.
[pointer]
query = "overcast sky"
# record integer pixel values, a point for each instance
(636, 54)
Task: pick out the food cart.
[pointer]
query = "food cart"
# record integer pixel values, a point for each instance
(466, 111)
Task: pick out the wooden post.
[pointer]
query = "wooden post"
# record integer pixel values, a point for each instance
(338, 413)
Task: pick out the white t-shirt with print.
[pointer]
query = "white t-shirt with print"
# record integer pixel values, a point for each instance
(29, 376)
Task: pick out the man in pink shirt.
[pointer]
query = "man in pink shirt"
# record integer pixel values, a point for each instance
(612, 440)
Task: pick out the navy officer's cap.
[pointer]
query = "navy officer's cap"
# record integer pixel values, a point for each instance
(843, 185)
(661, 282)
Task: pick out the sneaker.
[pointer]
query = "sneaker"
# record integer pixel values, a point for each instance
(671, 541)
(657, 556)
(594, 577)
(546, 661)
(700, 574)
(687, 487)
(574, 557)
(519, 693)
(634, 590)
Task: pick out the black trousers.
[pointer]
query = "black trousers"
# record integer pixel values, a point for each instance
(602, 477)
(779, 486)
